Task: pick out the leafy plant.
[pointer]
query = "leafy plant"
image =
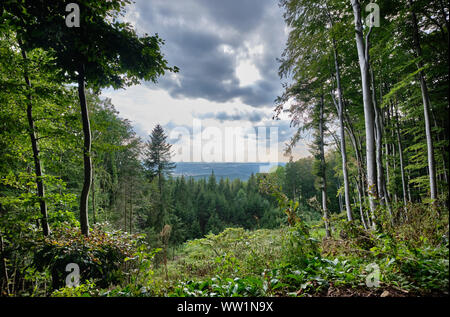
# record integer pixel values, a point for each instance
(100, 256)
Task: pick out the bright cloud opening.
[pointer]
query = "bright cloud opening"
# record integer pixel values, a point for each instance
(247, 73)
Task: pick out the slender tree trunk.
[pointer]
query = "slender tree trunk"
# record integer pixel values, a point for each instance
(381, 181)
(161, 207)
(402, 168)
(426, 105)
(35, 148)
(442, 176)
(340, 109)
(124, 209)
(341, 204)
(361, 211)
(4, 265)
(93, 196)
(359, 163)
(408, 188)
(361, 175)
(323, 170)
(394, 165)
(84, 218)
(363, 56)
(445, 168)
(386, 146)
(131, 205)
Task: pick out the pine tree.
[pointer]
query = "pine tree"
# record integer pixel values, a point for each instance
(158, 155)
(157, 163)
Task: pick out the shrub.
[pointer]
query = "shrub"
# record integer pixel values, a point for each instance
(100, 256)
(87, 289)
(234, 252)
(423, 224)
(357, 236)
(298, 246)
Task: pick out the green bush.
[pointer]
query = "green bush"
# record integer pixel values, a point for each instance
(233, 252)
(358, 237)
(87, 289)
(298, 246)
(100, 256)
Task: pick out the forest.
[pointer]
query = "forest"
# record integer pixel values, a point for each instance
(88, 208)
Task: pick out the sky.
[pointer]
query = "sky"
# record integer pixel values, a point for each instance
(219, 107)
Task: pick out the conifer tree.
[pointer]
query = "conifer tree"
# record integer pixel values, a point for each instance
(157, 163)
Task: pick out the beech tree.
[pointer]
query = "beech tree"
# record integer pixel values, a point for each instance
(101, 52)
(426, 101)
(363, 46)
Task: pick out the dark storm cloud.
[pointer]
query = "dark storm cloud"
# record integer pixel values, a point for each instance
(195, 32)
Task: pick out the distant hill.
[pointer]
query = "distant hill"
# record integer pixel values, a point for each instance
(232, 170)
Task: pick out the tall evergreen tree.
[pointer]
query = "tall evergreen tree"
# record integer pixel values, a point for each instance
(158, 154)
(157, 163)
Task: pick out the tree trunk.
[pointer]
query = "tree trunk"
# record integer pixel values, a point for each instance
(323, 171)
(35, 148)
(386, 146)
(131, 205)
(341, 204)
(161, 207)
(400, 152)
(360, 198)
(340, 110)
(381, 181)
(426, 105)
(84, 218)
(361, 176)
(93, 196)
(408, 188)
(363, 56)
(394, 165)
(4, 266)
(342, 134)
(124, 209)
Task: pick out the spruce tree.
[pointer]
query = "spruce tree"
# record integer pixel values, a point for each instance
(157, 163)
(158, 154)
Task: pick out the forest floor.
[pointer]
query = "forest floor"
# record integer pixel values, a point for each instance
(282, 262)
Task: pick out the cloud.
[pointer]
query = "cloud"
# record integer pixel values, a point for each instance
(252, 116)
(226, 50)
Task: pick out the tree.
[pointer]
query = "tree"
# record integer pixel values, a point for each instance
(158, 155)
(340, 110)
(319, 167)
(102, 52)
(426, 102)
(362, 45)
(157, 163)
